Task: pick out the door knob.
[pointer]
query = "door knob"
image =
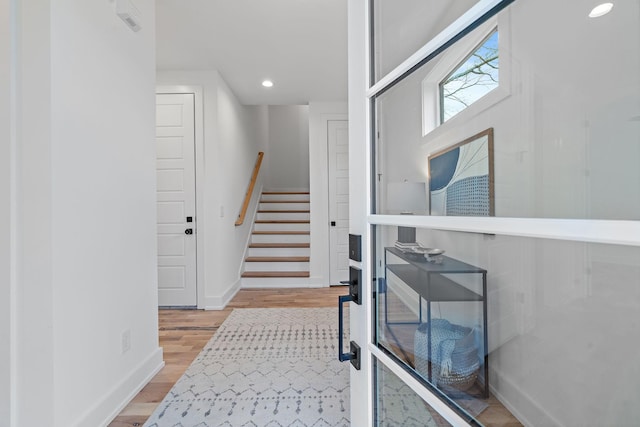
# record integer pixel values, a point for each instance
(188, 231)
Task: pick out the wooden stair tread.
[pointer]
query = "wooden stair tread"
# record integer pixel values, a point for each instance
(279, 245)
(275, 274)
(285, 192)
(277, 259)
(283, 211)
(282, 221)
(281, 232)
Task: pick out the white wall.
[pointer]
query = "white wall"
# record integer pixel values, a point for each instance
(103, 207)
(242, 136)
(6, 167)
(85, 213)
(233, 136)
(400, 31)
(287, 160)
(319, 114)
(33, 312)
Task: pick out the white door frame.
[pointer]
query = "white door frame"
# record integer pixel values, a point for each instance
(197, 92)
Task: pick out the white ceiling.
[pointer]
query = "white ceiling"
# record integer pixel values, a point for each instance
(301, 45)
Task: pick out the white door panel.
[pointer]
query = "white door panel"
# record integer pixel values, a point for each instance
(338, 155)
(175, 171)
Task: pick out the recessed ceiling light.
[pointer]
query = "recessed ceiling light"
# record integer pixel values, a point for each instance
(267, 83)
(600, 10)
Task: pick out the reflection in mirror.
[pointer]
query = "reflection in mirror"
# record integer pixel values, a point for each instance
(566, 133)
(477, 76)
(402, 27)
(461, 178)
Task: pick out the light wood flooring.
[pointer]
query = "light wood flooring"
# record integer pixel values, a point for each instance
(184, 333)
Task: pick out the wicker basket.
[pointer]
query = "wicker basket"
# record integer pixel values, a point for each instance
(465, 363)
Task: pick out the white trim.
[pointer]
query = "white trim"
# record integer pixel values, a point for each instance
(450, 60)
(220, 303)
(319, 193)
(112, 403)
(198, 94)
(10, 8)
(369, 285)
(367, 267)
(431, 399)
(579, 230)
(460, 24)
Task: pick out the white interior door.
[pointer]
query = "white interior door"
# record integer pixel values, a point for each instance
(176, 198)
(338, 153)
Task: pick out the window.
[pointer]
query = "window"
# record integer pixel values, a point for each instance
(477, 76)
(470, 77)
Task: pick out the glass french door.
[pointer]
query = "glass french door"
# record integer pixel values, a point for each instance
(494, 182)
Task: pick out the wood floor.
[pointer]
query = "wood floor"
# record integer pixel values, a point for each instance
(183, 334)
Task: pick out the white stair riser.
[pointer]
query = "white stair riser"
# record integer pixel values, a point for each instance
(276, 266)
(275, 282)
(280, 238)
(301, 197)
(278, 252)
(281, 227)
(283, 216)
(284, 206)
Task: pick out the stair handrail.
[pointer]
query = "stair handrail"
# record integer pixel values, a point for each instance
(252, 184)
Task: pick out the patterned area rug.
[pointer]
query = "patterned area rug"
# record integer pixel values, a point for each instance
(264, 367)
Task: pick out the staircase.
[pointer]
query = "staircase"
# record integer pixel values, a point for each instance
(278, 253)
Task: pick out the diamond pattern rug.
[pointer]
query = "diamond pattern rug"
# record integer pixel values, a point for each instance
(264, 367)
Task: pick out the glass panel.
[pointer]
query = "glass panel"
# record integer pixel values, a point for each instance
(561, 325)
(398, 405)
(432, 317)
(566, 134)
(402, 27)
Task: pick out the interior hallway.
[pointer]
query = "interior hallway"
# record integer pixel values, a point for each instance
(184, 333)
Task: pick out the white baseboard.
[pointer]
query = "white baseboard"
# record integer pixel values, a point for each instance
(219, 303)
(107, 408)
(541, 417)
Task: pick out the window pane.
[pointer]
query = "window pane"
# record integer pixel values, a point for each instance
(476, 77)
(401, 27)
(561, 328)
(566, 133)
(398, 405)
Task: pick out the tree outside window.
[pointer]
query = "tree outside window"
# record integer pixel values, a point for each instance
(474, 78)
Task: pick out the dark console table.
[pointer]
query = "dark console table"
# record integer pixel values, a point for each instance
(428, 280)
